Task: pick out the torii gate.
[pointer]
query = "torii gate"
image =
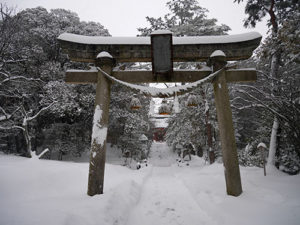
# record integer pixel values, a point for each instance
(162, 50)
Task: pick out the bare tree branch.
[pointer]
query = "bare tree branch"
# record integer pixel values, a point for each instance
(263, 104)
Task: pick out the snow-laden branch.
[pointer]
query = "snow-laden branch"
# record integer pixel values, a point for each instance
(38, 156)
(268, 97)
(163, 92)
(39, 112)
(252, 87)
(293, 59)
(6, 115)
(264, 105)
(240, 98)
(247, 106)
(266, 75)
(14, 60)
(18, 78)
(12, 127)
(4, 74)
(25, 120)
(6, 93)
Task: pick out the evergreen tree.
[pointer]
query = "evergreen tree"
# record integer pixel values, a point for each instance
(188, 18)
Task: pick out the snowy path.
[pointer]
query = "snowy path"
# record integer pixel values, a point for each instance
(165, 200)
(161, 154)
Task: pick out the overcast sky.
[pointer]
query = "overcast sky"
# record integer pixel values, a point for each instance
(123, 17)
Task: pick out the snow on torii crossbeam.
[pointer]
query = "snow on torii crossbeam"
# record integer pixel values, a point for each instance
(162, 50)
(138, 49)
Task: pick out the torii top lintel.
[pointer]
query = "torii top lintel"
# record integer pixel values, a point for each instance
(138, 49)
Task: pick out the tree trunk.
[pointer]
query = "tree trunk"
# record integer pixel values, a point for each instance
(27, 139)
(211, 153)
(273, 143)
(273, 139)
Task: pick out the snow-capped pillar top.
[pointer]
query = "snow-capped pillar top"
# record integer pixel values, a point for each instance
(217, 53)
(105, 59)
(104, 55)
(161, 32)
(261, 146)
(217, 60)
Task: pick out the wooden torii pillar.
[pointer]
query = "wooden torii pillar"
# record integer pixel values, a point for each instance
(183, 49)
(100, 124)
(224, 115)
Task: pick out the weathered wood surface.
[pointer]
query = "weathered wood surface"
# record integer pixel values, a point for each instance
(81, 77)
(143, 76)
(138, 49)
(225, 123)
(98, 151)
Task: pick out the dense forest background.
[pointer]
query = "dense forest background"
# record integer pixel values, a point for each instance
(38, 110)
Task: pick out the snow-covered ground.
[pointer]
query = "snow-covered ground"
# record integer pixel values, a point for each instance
(34, 192)
(161, 155)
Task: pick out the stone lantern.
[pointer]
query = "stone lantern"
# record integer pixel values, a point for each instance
(135, 103)
(164, 109)
(192, 101)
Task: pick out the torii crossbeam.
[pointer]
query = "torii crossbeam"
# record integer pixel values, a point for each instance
(157, 48)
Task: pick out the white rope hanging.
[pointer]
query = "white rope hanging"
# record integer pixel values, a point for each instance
(162, 92)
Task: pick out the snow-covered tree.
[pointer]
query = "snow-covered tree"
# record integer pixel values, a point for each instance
(194, 125)
(254, 107)
(281, 55)
(32, 68)
(127, 125)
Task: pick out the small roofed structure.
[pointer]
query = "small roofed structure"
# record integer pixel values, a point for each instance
(143, 137)
(160, 123)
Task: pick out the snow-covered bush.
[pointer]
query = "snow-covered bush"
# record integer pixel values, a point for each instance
(289, 161)
(250, 156)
